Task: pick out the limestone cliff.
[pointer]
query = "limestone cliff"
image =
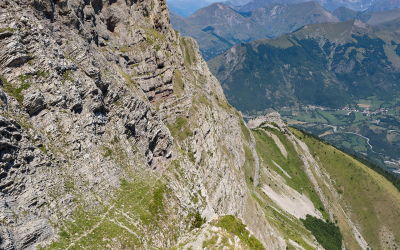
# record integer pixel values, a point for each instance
(90, 94)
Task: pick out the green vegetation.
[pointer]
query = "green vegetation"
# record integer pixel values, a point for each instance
(292, 165)
(210, 242)
(180, 130)
(245, 131)
(7, 29)
(69, 185)
(154, 37)
(128, 79)
(67, 75)
(43, 74)
(249, 170)
(179, 85)
(43, 149)
(124, 49)
(189, 56)
(374, 201)
(326, 233)
(386, 174)
(136, 200)
(155, 34)
(16, 92)
(107, 152)
(198, 221)
(115, 140)
(202, 99)
(236, 227)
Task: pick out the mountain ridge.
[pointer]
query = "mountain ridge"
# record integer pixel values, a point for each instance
(329, 31)
(231, 27)
(357, 5)
(384, 5)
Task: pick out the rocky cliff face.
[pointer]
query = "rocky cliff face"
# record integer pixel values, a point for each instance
(113, 131)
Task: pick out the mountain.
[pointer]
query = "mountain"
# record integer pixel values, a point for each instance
(218, 27)
(280, 19)
(256, 4)
(325, 64)
(318, 76)
(345, 14)
(186, 7)
(391, 26)
(210, 44)
(331, 5)
(236, 2)
(373, 18)
(329, 58)
(115, 135)
(222, 27)
(226, 23)
(385, 5)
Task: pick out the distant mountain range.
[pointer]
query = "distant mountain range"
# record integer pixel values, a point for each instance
(391, 26)
(236, 2)
(331, 5)
(327, 64)
(373, 18)
(385, 5)
(218, 27)
(256, 4)
(186, 8)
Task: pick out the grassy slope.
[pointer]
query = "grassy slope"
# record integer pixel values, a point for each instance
(290, 227)
(267, 150)
(372, 202)
(137, 210)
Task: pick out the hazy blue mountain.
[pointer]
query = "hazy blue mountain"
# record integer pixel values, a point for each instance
(236, 2)
(391, 26)
(255, 4)
(278, 19)
(210, 44)
(186, 7)
(331, 5)
(219, 27)
(373, 18)
(385, 5)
